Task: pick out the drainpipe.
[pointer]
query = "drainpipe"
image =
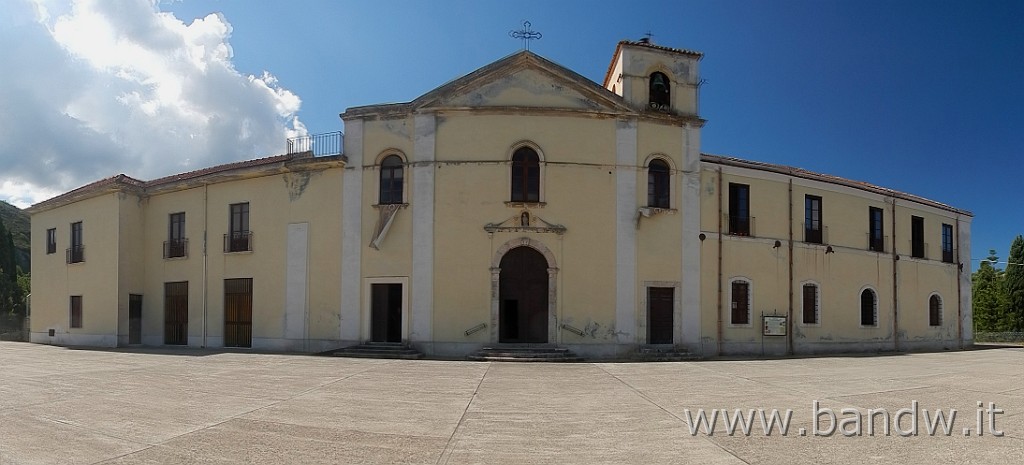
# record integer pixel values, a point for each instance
(959, 290)
(206, 209)
(895, 285)
(720, 260)
(789, 318)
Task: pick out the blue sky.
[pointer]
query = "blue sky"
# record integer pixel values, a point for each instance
(924, 97)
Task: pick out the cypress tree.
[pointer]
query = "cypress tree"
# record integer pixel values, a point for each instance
(1014, 284)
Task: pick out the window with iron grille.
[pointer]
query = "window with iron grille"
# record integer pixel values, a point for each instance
(810, 300)
(76, 311)
(740, 302)
(391, 180)
(812, 219)
(525, 175)
(658, 184)
(876, 230)
(739, 209)
(947, 243)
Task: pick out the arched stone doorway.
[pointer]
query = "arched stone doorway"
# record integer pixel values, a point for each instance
(523, 297)
(523, 294)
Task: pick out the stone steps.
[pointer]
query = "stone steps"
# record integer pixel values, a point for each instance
(664, 353)
(388, 350)
(515, 353)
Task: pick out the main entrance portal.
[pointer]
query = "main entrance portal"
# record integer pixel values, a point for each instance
(523, 296)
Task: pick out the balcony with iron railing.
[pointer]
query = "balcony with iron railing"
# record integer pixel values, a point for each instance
(240, 241)
(75, 254)
(876, 243)
(815, 236)
(737, 225)
(918, 249)
(321, 145)
(176, 248)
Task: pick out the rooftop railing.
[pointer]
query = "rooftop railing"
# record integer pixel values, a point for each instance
(322, 145)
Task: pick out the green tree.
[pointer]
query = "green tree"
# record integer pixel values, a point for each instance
(988, 296)
(9, 292)
(1014, 285)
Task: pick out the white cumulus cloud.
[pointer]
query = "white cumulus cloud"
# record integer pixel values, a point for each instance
(92, 88)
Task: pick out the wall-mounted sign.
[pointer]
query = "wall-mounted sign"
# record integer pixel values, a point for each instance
(774, 325)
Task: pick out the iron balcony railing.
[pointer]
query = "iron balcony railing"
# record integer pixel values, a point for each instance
(815, 235)
(918, 249)
(739, 225)
(238, 242)
(75, 254)
(876, 243)
(331, 143)
(176, 248)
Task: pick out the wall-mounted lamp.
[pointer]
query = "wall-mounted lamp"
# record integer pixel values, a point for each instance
(777, 244)
(701, 236)
(829, 249)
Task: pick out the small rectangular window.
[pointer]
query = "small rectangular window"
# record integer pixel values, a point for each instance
(740, 303)
(76, 311)
(76, 253)
(917, 247)
(812, 219)
(739, 209)
(810, 304)
(51, 241)
(876, 230)
(947, 243)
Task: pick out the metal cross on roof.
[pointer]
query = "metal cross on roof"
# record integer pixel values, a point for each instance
(525, 34)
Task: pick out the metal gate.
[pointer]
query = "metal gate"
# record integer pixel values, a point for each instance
(176, 313)
(238, 312)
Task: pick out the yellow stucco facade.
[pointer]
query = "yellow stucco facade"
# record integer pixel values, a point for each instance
(527, 204)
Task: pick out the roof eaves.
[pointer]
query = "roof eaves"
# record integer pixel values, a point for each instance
(828, 178)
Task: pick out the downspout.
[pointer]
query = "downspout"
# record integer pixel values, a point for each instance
(959, 290)
(720, 213)
(895, 285)
(206, 217)
(789, 318)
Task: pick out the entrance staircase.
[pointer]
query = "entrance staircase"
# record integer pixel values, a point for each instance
(392, 350)
(524, 353)
(663, 353)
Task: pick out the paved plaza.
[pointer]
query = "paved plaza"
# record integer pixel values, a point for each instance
(60, 405)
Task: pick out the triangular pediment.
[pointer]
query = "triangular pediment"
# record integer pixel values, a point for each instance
(523, 80)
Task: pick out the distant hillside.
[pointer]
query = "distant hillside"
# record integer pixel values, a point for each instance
(17, 221)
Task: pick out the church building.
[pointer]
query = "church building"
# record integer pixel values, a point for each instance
(519, 204)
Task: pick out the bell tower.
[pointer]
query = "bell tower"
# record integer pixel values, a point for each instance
(655, 78)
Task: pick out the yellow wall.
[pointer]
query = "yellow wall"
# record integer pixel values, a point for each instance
(95, 279)
(841, 274)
